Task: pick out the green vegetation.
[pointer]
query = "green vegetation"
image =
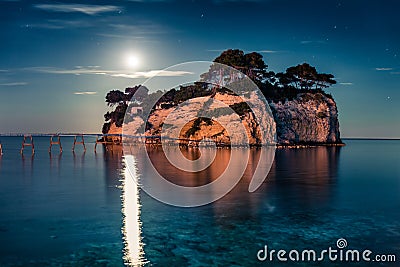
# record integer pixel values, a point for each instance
(280, 86)
(304, 77)
(196, 126)
(321, 115)
(117, 115)
(240, 108)
(198, 89)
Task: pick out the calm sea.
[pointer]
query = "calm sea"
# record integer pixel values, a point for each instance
(77, 209)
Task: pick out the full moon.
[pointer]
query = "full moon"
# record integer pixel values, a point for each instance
(132, 61)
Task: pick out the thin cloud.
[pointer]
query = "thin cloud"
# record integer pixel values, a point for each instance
(125, 36)
(112, 73)
(92, 67)
(56, 24)
(77, 70)
(78, 8)
(383, 69)
(238, 1)
(14, 84)
(85, 93)
(142, 28)
(395, 72)
(346, 83)
(143, 31)
(215, 50)
(266, 51)
(312, 42)
(153, 73)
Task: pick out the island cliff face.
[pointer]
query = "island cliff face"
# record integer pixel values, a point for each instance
(307, 119)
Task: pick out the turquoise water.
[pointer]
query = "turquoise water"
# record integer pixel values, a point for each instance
(66, 210)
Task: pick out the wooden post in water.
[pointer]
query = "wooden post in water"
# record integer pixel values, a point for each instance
(98, 141)
(82, 142)
(1, 149)
(58, 142)
(25, 143)
(102, 140)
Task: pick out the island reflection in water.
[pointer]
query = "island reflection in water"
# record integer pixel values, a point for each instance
(225, 220)
(319, 164)
(169, 174)
(311, 198)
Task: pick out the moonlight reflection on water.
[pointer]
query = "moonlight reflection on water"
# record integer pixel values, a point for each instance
(133, 246)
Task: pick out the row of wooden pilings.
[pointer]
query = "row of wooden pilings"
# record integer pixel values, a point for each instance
(55, 140)
(80, 140)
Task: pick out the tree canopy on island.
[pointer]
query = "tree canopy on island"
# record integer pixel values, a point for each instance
(306, 77)
(302, 77)
(276, 87)
(251, 64)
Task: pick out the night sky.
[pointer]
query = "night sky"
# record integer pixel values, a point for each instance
(58, 59)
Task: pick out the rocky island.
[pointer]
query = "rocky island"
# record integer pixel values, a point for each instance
(303, 113)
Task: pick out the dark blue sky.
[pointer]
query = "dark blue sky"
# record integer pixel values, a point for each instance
(58, 59)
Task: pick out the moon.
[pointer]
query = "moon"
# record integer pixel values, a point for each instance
(132, 61)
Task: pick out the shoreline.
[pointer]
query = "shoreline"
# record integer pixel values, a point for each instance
(309, 145)
(65, 134)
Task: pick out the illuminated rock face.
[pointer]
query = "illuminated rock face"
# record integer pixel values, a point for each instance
(230, 120)
(309, 118)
